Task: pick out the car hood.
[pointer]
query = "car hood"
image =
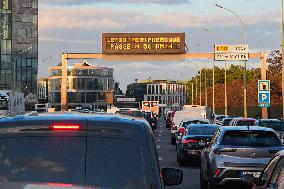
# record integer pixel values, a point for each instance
(10, 185)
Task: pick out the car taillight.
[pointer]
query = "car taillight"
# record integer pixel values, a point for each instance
(217, 173)
(66, 127)
(189, 141)
(59, 185)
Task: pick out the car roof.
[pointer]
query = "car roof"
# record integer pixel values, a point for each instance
(245, 128)
(270, 120)
(245, 119)
(123, 123)
(194, 119)
(204, 125)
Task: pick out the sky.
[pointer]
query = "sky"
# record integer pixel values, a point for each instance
(76, 26)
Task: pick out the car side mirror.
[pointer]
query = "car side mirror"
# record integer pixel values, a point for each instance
(172, 176)
(248, 178)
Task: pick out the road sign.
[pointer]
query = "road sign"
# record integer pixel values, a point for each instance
(264, 97)
(231, 56)
(143, 43)
(231, 49)
(150, 106)
(264, 105)
(264, 85)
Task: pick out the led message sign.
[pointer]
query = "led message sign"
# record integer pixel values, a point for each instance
(143, 43)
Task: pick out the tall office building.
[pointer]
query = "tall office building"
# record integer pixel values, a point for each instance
(19, 45)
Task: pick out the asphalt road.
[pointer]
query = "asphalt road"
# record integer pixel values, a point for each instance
(167, 157)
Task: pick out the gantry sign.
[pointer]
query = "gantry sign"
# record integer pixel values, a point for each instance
(142, 47)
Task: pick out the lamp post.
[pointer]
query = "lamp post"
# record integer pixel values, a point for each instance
(225, 83)
(282, 6)
(245, 63)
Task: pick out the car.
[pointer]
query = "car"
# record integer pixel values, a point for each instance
(85, 150)
(227, 120)
(235, 151)
(218, 118)
(194, 140)
(149, 116)
(169, 118)
(272, 175)
(183, 125)
(275, 124)
(243, 122)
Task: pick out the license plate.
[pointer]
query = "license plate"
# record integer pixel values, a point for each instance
(254, 174)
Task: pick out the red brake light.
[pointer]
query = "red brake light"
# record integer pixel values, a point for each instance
(189, 141)
(217, 173)
(60, 185)
(66, 127)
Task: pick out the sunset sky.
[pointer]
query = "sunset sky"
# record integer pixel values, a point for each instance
(76, 26)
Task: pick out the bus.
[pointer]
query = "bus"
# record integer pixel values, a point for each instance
(11, 103)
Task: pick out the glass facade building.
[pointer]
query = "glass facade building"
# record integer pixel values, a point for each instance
(85, 85)
(19, 45)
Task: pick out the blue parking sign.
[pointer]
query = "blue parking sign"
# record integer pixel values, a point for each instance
(263, 97)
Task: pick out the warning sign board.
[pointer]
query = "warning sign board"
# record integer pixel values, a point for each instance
(150, 106)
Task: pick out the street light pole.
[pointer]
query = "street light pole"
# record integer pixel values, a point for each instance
(213, 88)
(200, 86)
(282, 6)
(225, 83)
(245, 63)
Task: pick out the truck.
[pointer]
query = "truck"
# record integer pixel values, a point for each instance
(12, 103)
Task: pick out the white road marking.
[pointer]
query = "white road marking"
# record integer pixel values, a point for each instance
(158, 146)
(160, 158)
(161, 131)
(160, 135)
(159, 140)
(161, 126)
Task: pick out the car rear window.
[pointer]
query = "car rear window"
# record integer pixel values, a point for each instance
(42, 160)
(117, 163)
(250, 138)
(245, 123)
(277, 126)
(185, 124)
(201, 130)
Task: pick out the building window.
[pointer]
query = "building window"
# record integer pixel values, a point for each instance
(26, 3)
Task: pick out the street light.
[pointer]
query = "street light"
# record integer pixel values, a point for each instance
(245, 63)
(282, 6)
(225, 83)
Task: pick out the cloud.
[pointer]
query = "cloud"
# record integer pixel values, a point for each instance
(84, 2)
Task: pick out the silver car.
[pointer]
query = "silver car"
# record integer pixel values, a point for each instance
(235, 151)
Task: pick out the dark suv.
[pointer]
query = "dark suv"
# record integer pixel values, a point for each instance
(236, 151)
(80, 150)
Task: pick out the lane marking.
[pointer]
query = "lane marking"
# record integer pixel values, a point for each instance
(160, 135)
(161, 131)
(158, 146)
(160, 158)
(159, 140)
(161, 126)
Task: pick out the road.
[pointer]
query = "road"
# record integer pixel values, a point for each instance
(167, 157)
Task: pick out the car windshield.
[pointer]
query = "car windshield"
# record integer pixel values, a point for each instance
(226, 121)
(147, 114)
(245, 123)
(277, 126)
(195, 130)
(250, 138)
